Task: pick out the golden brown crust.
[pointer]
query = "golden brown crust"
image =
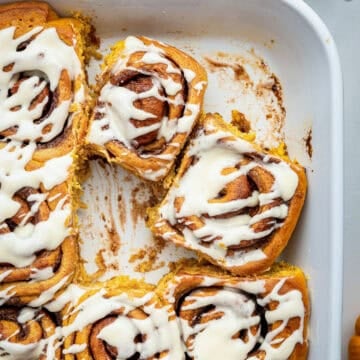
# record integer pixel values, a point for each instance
(25, 15)
(354, 342)
(238, 189)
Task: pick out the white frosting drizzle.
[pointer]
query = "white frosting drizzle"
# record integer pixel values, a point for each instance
(36, 64)
(11, 350)
(290, 306)
(14, 176)
(200, 85)
(48, 294)
(44, 58)
(69, 296)
(6, 294)
(36, 199)
(189, 75)
(162, 334)
(117, 104)
(213, 340)
(75, 349)
(5, 274)
(216, 338)
(19, 247)
(26, 314)
(41, 274)
(214, 152)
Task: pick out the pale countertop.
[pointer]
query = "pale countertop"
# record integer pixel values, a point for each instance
(343, 19)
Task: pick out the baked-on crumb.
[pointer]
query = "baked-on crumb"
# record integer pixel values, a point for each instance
(148, 257)
(239, 120)
(308, 143)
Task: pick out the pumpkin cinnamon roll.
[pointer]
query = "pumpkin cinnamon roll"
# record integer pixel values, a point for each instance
(223, 316)
(121, 319)
(231, 201)
(150, 97)
(26, 332)
(42, 111)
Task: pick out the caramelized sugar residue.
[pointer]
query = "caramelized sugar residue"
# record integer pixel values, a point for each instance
(254, 90)
(142, 197)
(308, 143)
(239, 120)
(240, 74)
(121, 210)
(147, 258)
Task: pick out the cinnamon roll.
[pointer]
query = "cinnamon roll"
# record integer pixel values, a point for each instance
(43, 115)
(25, 332)
(150, 97)
(231, 201)
(121, 319)
(222, 316)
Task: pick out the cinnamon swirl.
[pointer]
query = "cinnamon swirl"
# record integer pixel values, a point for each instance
(25, 332)
(121, 319)
(231, 201)
(150, 98)
(42, 96)
(222, 316)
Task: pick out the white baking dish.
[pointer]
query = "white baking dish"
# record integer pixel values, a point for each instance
(300, 50)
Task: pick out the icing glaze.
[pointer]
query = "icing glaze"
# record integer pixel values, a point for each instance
(26, 314)
(41, 274)
(11, 350)
(229, 321)
(30, 328)
(216, 339)
(42, 60)
(290, 306)
(6, 294)
(160, 334)
(213, 153)
(157, 325)
(33, 69)
(48, 294)
(75, 349)
(118, 116)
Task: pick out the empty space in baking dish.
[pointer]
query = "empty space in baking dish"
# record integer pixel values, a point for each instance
(298, 48)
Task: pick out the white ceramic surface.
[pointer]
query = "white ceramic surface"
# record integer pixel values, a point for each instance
(304, 57)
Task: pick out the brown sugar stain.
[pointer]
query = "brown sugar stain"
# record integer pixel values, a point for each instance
(240, 73)
(274, 115)
(157, 191)
(277, 90)
(138, 255)
(270, 44)
(113, 236)
(83, 276)
(308, 143)
(115, 207)
(147, 258)
(275, 111)
(121, 210)
(138, 208)
(142, 197)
